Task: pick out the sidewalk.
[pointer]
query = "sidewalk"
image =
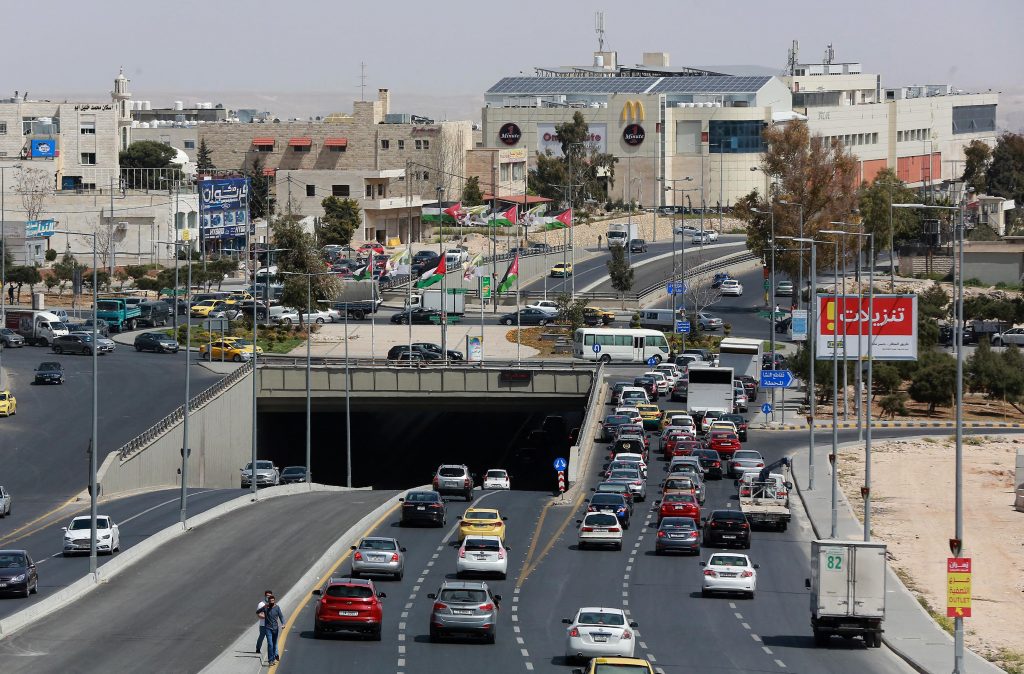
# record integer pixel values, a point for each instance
(909, 631)
(827, 425)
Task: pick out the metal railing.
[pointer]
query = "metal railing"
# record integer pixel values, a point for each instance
(285, 360)
(163, 426)
(403, 281)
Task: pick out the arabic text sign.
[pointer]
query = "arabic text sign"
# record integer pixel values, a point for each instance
(223, 194)
(958, 587)
(892, 332)
(35, 229)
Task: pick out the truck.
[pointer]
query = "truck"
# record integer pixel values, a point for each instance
(742, 355)
(122, 313)
(455, 300)
(37, 327)
(847, 587)
(358, 298)
(710, 388)
(764, 497)
(621, 233)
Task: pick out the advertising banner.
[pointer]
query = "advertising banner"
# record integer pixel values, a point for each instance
(43, 148)
(547, 139)
(37, 229)
(892, 329)
(958, 587)
(222, 207)
(798, 326)
(474, 348)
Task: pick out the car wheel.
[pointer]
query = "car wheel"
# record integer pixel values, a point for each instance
(27, 592)
(138, 348)
(490, 637)
(507, 321)
(319, 321)
(375, 634)
(58, 350)
(318, 631)
(746, 544)
(618, 546)
(35, 588)
(542, 322)
(820, 639)
(87, 352)
(704, 592)
(237, 358)
(403, 321)
(286, 321)
(434, 636)
(605, 358)
(399, 576)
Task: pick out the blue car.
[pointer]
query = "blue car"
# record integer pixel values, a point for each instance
(610, 503)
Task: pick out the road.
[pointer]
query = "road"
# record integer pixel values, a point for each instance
(182, 606)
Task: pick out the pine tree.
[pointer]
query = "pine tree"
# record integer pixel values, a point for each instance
(204, 161)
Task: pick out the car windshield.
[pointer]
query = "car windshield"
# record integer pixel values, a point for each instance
(43, 367)
(600, 520)
(377, 544)
(611, 487)
(728, 515)
(746, 454)
(606, 499)
(500, 474)
(451, 472)
(678, 523)
(421, 497)
(594, 618)
(479, 515)
(728, 560)
(678, 484)
(678, 498)
(12, 560)
(294, 470)
(83, 523)
(616, 419)
(463, 595)
(350, 591)
(624, 474)
(481, 544)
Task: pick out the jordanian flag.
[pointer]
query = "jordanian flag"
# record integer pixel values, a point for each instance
(447, 216)
(504, 219)
(511, 274)
(565, 217)
(364, 273)
(433, 276)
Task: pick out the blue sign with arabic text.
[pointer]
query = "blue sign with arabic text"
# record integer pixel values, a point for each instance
(44, 148)
(37, 229)
(223, 207)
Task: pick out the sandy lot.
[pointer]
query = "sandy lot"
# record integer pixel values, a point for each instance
(913, 513)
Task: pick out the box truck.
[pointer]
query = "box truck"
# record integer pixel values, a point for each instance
(455, 300)
(37, 327)
(620, 233)
(710, 389)
(847, 587)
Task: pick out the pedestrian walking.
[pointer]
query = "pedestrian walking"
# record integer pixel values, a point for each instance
(273, 619)
(598, 240)
(10, 294)
(263, 623)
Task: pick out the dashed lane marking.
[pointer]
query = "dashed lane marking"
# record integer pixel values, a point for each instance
(755, 638)
(780, 663)
(766, 650)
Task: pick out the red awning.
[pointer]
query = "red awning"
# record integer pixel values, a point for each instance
(518, 199)
(263, 141)
(336, 142)
(300, 142)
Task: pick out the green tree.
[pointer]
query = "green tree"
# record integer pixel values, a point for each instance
(65, 270)
(571, 311)
(135, 271)
(893, 404)
(51, 254)
(51, 282)
(261, 204)
(934, 382)
(874, 203)
(8, 261)
(886, 378)
(204, 160)
(219, 268)
(121, 276)
(978, 158)
(619, 271)
(582, 172)
(147, 154)
(342, 217)
(933, 302)
(148, 283)
(1005, 175)
(301, 255)
(471, 194)
(25, 275)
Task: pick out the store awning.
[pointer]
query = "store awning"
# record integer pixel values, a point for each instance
(300, 142)
(336, 142)
(263, 141)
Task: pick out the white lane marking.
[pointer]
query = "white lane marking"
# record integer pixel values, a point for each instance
(625, 584)
(515, 600)
(520, 641)
(739, 616)
(766, 650)
(430, 563)
(515, 618)
(525, 652)
(780, 663)
(401, 649)
(415, 588)
(176, 499)
(651, 657)
(401, 637)
(515, 628)
(401, 625)
(412, 596)
(732, 604)
(625, 576)
(625, 594)
(625, 602)
(756, 638)
(435, 555)
(642, 645)
(401, 662)
(746, 626)
(529, 666)
(629, 567)
(409, 605)
(420, 579)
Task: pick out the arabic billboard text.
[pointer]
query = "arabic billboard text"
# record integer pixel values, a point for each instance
(223, 204)
(892, 321)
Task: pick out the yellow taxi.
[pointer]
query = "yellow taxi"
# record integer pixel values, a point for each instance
(614, 665)
(483, 522)
(230, 348)
(602, 315)
(561, 270)
(9, 405)
(203, 309)
(235, 298)
(651, 417)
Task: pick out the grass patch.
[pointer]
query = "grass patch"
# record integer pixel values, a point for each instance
(975, 283)
(974, 441)
(1011, 661)
(1003, 285)
(275, 339)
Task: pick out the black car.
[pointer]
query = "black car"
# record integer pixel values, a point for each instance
(157, 342)
(10, 338)
(741, 424)
(527, 317)
(429, 347)
(396, 353)
(539, 248)
(710, 461)
(648, 384)
(677, 534)
(102, 327)
(750, 387)
(727, 527)
(617, 391)
(49, 372)
(420, 315)
(637, 246)
(420, 507)
(73, 344)
(182, 305)
(18, 574)
(610, 503)
(293, 474)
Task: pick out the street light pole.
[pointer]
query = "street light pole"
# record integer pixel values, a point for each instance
(835, 390)
(771, 309)
(800, 277)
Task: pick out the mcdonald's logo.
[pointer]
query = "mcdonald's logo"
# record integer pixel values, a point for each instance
(632, 111)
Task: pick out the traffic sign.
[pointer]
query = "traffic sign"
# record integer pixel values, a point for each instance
(683, 327)
(776, 378)
(652, 361)
(560, 464)
(597, 348)
(561, 482)
(766, 286)
(675, 288)
(766, 408)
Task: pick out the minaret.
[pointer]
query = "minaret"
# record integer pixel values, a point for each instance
(122, 105)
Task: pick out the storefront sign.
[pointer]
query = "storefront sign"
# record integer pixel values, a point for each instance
(633, 134)
(958, 587)
(547, 139)
(510, 134)
(892, 329)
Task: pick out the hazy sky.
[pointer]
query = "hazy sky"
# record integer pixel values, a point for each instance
(459, 47)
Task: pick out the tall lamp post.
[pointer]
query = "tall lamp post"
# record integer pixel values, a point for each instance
(771, 283)
(800, 277)
(3, 256)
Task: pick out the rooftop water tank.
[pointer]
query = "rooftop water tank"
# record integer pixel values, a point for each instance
(598, 61)
(179, 105)
(146, 105)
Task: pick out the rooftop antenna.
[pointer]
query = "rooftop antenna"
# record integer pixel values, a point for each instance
(793, 58)
(830, 53)
(599, 29)
(362, 81)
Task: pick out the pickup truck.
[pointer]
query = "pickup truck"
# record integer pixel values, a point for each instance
(119, 312)
(764, 496)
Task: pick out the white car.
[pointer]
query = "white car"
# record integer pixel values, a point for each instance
(742, 460)
(599, 632)
(731, 287)
(660, 380)
(687, 230)
(599, 529)
(684, 421)
(1011, 336)
(631, 412)
(78, 535)
(626, 457)
(482, 555)
(497, 478)
(729, 572)
(547, 306)
(670, 371)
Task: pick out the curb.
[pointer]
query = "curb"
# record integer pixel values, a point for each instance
(134, 554)
(898, 424)
(240, 658)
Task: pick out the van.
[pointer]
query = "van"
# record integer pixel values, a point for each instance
(658, 319)
(154, 314)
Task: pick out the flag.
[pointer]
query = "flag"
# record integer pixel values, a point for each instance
(364, 273)
(453, 212)
(565, 218)
(437, 215)
(504, 219)
(434, 275)
(510, 275)
(473, 267)
(399, 262)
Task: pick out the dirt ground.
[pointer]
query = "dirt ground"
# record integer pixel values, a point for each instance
(913, 507)
(976, 408)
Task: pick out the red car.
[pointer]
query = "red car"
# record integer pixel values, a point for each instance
(348, 605)
(371, 247)
(686, 447)
(724, 443)
(669, 440)
(679, 504)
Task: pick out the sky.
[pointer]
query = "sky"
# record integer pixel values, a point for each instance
(302, 57)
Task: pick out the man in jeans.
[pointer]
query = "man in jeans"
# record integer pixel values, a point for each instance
(272, 621)
(263, 625)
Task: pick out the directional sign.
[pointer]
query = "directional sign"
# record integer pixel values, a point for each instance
(560, 464)
(652, 361)
(675, 288)
(766, 408)
(683, 327)
(776, 378)
(958, 587)
(597, 348)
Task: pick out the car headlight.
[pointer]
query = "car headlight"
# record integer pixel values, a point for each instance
(68, 539)
(18, 578)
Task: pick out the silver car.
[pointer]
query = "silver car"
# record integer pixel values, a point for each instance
(5, 502)
(631, 476)
(464, 608)
(744, 460)
(267, 475)
(378, 555)
(687, 473)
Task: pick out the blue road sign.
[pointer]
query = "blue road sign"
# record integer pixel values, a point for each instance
(560, 464)
(766, 408)
(652, 361)
(675, 287)
(683, 327)
(670, 288)
(597, 348)
(776, 378)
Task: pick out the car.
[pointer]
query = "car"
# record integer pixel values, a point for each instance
(610, 424)
(203, 308)
(784, 289)
(378, 555)
(750, 385)
(537, 247)
(235, 350)
(423, 506)
(678, 504)
(599, 528)
(549, 306)
(482, 522)
(615, 665)
(527, 317)
(18, 573)
(617, 389)
(634, 478)
(684, 421)
(8, 403)
(464, 608)
(700, 238)
(397, 353)
(5, 501)
(630, 443)
(595, 315)
(710, 461)
(453, 480)
(670, 371)
(599, 632)
(267, 475)
(615, 487)
(371, 248)
(73, 343)
(613, 504)
(725, 528)
(435, 349)
(632, 459)
(10, 339)
(631, 395)
(637, 246)
(725, 443)
(661, 382)
(686, 447)
(497, 478)
(731, 288)
(49, 372)
(417, 316)
(708, 418)
(103, 344)
(102, 327)
(686, 478)
(743, 460)
(78, 535)
(156, 342)
(649, 386)
(482, 555)
(348, 605)
(729, 572)
(707, 322)
(740, 398)
(651, 415)
(677, 534)
(561, 270)
(293, 475)
(1011, 336)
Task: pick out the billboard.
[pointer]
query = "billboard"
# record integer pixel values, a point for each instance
(37, 229)
(892, 329)
(223, 204)
(798, 326)
(547, 139)
(44, 148)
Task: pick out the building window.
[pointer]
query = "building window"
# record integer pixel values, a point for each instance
(302, 148)
(385, 144)
(426, 144)
(310, 190)
(87, 128)
(734, 137)
(339, 190)
(190, 145)
(336, 148)
(26, 125)
(419, 144)
(264, 148)
(974, 118)
(518, 170)
(369, 190)
(503, 172)
(88, 158)
(426, 175)
(401, 145)
(3, 128)
(380, 189)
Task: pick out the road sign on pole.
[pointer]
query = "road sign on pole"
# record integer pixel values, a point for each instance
(958, 587)
(597, 348)
(683, 327)
(560, 464)
(766, 409)
(776, 378)
(652, 361)
(561, 482)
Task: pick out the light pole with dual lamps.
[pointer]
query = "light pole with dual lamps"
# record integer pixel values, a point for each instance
(771, 284)
(800, 276)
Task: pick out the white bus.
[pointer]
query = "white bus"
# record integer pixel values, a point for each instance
(620, 345)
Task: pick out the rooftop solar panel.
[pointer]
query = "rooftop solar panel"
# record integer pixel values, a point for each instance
(542, 86)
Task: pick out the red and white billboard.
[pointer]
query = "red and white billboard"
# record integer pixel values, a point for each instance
(891, 327)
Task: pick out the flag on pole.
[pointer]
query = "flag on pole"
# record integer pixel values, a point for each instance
(434, 275)
(399, 262)
(452, 212)
(473, 267)
(565, 217)
(436, 215)
(511, 274)
(364, 273)
(504, 219)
